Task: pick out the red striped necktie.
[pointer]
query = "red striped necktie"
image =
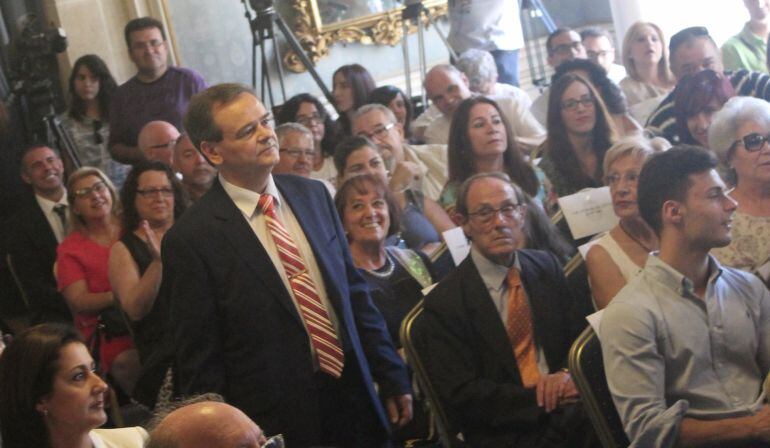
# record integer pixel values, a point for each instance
(314, 313)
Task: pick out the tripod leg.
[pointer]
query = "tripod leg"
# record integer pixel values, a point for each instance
(407, 64)
(265, 72)
(441, 35)
(278, 63)
(300, 52)
(421, 50)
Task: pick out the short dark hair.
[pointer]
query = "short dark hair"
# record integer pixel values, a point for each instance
(31, 147)
(288, 114)
(557, 32)
(595, 31)
(666, 176)
(107, 86)
(461, 160)
(687, 35)
(142, 23)
(130, 216)
(363, 184)
(612, 96)
(27, 370)
(199, 119)
(348, 146)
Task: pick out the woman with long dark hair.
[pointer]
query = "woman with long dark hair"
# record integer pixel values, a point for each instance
(91, 87)
(580, 131)
(351, 86)
(51, 395)
(152, 199)
(480, 141)
(308, 111)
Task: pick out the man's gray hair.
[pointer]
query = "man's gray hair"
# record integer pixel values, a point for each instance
(288, 128)
(366, 108)
(161, 412)
(479, 66)
(725, 123)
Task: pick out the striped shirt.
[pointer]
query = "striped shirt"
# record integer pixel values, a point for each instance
(662, 121)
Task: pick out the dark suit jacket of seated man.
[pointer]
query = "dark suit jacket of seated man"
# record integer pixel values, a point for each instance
(236, 328)
(469, 355)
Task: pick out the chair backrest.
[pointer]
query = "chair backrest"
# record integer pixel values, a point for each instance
(412, 338)
(587, 369)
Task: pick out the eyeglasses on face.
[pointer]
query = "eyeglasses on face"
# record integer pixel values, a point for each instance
(567, 48)
(379, 132)
(753, 142)
(97, 187)
(585, 101)
(487, 214)
(154, 192)
(297, 153)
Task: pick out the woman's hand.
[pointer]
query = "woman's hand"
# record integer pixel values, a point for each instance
(152, 240)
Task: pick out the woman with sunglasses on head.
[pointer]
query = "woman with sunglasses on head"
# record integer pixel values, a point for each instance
(580, 131)
(739, 135)
(308, 111)
(87, 121)
(81, 273)
(152, 199)
(52, 396)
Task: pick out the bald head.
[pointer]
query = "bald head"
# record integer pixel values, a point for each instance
(446, 86)
(156, 141)
(206, 424)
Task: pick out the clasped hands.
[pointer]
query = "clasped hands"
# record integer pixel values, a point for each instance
(556, 390)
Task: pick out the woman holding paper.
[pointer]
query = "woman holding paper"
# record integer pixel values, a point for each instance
(620, 254)
(739, 137)
(580, 131)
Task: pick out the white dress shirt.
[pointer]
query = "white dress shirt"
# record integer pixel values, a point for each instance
(247, 202)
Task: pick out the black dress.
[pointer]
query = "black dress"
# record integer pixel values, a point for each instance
(149, 332)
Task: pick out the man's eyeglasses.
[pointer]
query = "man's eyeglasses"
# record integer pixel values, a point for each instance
(297, 153)
(146, 45)
(378, 132)
(597, 54)
(586, 101)
(97, 187)
(567, 48)
(153, 192)
(308, 120)
(487, 215)
(753, 142)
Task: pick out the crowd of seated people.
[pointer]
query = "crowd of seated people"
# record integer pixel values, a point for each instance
(273, 260)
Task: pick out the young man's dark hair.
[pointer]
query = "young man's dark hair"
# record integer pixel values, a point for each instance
(557, 32)
(666, 176)
(140, 24)
(685, 36)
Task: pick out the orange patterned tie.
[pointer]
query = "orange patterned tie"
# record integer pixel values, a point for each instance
(314, 313)
(519, 327)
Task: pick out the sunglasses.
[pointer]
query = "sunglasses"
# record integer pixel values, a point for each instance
(753, 142)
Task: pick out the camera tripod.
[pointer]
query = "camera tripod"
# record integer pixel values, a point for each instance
(262, 30)
(532, 10)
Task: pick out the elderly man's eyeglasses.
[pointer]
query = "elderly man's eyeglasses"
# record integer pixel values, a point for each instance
(97, 187)
(585, 101)
(567, 48)
(487, 214)
(753, 142)
(378, 133)
(154, 192)
(297, 153)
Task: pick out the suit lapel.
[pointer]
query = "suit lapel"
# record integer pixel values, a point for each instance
(40, 229)
(485, 317)
(241, 237)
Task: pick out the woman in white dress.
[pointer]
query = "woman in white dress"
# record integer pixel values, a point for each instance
(51, 395)
(648, 79)
(617, 256)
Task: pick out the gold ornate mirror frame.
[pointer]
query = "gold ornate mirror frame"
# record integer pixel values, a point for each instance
(383, 28)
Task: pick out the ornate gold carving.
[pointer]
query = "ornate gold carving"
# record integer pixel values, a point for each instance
(316, 38)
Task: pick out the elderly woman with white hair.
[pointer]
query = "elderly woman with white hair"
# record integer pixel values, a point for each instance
(618, 255)
(739, 136)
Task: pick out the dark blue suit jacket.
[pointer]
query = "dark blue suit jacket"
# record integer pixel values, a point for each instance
(236, 330)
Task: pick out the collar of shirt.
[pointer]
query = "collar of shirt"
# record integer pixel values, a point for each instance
(492, 274)
(673, 279)
(247, 200)
(47, 205)
(751, 37)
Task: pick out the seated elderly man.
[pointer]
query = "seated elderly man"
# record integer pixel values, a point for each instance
(297, 152)
(157, 140)
(686, 343)
(199, 423)
(498, 330)
(197, 174)
(419, 167)
(480, 69)
(447, 87)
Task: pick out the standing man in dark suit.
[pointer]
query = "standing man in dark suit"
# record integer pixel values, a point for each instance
(267, 308)
(35, 231)
(498, 330)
